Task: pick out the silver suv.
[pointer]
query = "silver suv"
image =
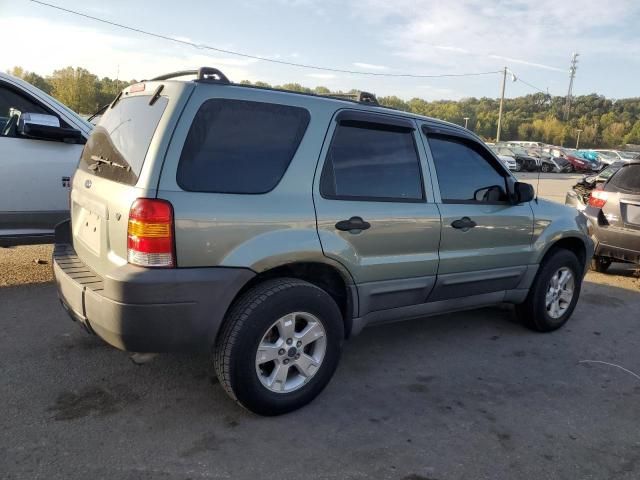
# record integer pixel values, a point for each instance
(267, 227)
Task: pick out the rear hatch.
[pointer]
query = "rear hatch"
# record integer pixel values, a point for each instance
(121, 162)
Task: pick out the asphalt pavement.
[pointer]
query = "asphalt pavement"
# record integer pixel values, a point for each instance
(472, 395)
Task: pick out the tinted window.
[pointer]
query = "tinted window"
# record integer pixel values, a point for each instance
(235, 146)
(370, 162)
(627, 179)
(463, 172)
(118, 144)
(11, 99)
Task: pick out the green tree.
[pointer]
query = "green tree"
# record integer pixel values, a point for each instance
(634, 134)
(32, 78)
(76, 88)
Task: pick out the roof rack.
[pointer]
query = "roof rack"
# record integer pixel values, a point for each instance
(360, 97)
(213, 75)
(204, 74)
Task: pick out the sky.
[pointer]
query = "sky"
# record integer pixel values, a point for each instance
(535, 39)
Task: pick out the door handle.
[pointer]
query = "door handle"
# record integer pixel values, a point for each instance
(353, 224)
(464, 224)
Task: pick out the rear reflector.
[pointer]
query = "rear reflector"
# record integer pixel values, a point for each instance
(598, 198)
(150, 240)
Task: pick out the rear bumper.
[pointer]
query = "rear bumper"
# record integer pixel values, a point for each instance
(613, 243)
(617, 253)
(146, 310)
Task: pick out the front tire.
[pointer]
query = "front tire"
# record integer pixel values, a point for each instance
(279, 346)
(545, 168)
(554, 293)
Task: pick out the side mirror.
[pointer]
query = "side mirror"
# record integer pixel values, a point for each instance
(46, 127)
(523, 192)
(494, 193)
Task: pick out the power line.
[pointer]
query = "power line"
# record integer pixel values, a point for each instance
(257, 57)
(532, 86)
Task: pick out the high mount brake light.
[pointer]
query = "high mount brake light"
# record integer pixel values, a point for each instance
(150, 241)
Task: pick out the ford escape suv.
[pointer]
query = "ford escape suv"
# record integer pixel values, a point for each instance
(267, 227)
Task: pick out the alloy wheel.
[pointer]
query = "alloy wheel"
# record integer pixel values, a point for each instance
(560, 292)
(291, 352)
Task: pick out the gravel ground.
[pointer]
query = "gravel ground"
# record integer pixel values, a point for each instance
(24, 265)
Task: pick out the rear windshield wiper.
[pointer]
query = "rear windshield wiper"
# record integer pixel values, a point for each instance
(100, 160)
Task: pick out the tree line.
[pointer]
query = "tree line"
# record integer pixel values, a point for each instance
(603, 122)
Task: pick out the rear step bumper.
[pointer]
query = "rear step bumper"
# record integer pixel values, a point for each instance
(143, 309)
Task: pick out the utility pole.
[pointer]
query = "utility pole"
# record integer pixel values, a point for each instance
(466, 122)
(578, 139)
(572, 75)
(504, 81)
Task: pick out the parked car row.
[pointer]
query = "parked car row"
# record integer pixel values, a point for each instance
(537, 156)
(529, 159)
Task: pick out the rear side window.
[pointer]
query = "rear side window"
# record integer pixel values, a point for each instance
(372, 162)
(627, 179)
(118, 144)
(235, 146)
(464, 173)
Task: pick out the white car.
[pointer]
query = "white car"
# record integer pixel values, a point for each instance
(40, 144)
(509, 162)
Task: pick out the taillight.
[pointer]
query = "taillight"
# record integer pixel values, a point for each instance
(150, 233)
(598, 198)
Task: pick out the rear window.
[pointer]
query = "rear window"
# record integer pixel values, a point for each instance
(118, 144)
(627, 179)
(235, 146)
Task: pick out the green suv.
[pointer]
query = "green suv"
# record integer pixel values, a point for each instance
(267, 227)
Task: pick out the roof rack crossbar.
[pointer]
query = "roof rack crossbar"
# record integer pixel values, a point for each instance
(208, 74)
(204, 74)
(359, 97)
(366, 97)
(180, 73)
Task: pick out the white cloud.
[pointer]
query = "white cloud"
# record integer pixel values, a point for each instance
(369, 66)
(475, 34)
(105, 54)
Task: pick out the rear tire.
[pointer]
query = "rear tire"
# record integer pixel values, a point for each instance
(600, 264)
(550, 303)
(262, 352)
(545, 168)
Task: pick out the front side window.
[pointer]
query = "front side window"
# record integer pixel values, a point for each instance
(375, 162)
(465, 174)
(236, 146)
(12, 101)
